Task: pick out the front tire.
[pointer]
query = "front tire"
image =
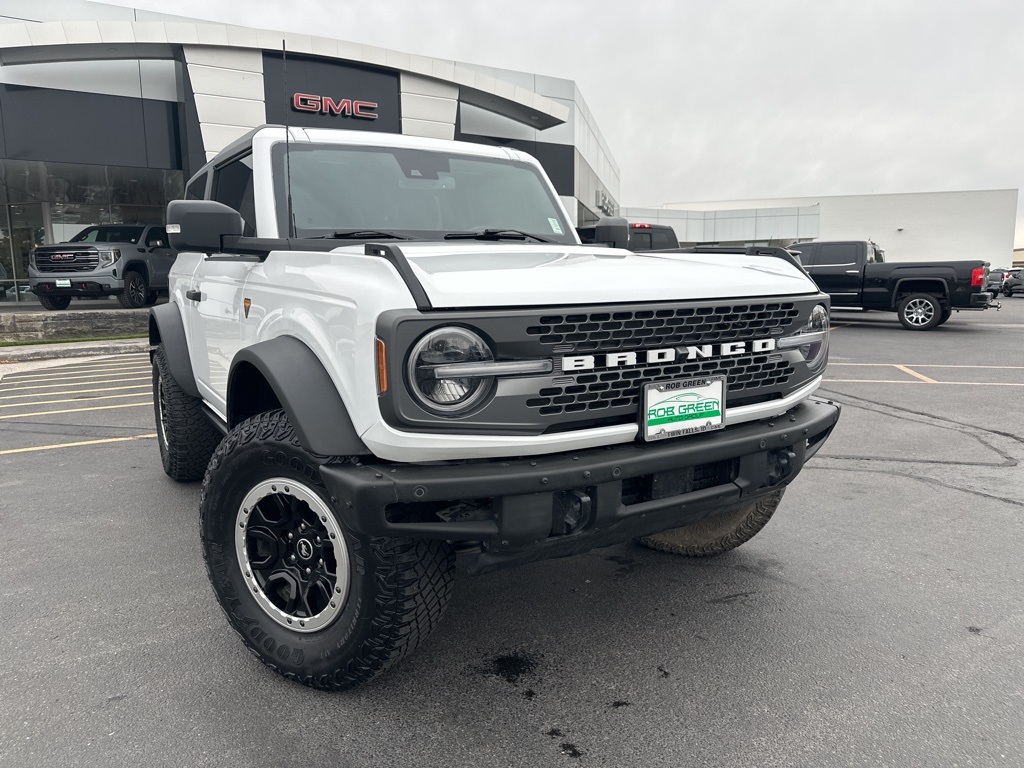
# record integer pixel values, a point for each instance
(135, 290)
(315, 601)
(718, 533)
(185, 435)
(919, 312)
(55, 303)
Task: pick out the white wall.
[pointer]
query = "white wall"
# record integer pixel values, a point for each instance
(913, 226)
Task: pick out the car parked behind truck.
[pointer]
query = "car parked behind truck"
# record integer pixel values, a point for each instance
(922, 294)
(129, 261)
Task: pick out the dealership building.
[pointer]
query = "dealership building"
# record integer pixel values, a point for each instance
(105, 112)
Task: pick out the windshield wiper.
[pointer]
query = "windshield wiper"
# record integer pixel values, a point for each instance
(359, 234)
(496, 234)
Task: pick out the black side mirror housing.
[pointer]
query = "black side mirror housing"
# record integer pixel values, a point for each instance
(199, 226)
(612, 231)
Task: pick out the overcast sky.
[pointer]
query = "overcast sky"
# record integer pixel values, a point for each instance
(734, 99)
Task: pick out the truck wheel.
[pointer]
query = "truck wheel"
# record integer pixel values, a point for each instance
(315, 601)
(919, 312)
(184, 434)
(719, 533)
(135, 290)
(54, 303)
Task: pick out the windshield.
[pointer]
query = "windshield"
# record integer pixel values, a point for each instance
(415, 193)
(118, 234)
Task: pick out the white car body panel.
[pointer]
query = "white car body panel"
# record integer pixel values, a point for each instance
(330, 300)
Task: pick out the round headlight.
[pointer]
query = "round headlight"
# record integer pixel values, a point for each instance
(448, 395)
(815, 351)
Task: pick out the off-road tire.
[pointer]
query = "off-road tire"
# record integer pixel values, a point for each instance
(719, 533)
(397, 588)
(184, 433)
(135, 290)
(55, 303)
(919, 312)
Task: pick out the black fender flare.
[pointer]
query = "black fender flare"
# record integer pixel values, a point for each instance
(305, 391)
(167, 330)
(942, 294)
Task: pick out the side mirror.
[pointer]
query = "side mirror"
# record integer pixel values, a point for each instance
(200, 225)
(610, 231)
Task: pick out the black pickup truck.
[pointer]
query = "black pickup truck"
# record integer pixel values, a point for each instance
(923, 295)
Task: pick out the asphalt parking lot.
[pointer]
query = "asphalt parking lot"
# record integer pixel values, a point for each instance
(876, 621)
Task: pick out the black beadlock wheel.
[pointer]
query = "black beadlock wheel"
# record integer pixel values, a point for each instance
(135, 290)
(55, 303)
(184, 433)
(919, 312)
(718, 533)
(316, 602)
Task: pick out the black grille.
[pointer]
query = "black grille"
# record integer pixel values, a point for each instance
(84, 261)
(663, 327)
(620, 388)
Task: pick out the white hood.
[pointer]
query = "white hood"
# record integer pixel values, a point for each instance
(484, 275)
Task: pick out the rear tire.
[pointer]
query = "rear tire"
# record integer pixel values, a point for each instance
(1007, 292)
(184, 433)
(719, 533)
(946, 314)
(55, 303)
(315, 601)
(919, 312)
(135, 290)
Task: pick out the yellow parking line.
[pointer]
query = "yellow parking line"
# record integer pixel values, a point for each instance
(65, 377)
(51, 385)
(74, 410)
(915, 374)
(67, 400)
(74, 445)
(76, 391)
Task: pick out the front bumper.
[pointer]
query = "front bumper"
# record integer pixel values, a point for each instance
(80, 286)
(527, 509)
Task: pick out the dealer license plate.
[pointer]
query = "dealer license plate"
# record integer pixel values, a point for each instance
(683, 407)
(63, 283)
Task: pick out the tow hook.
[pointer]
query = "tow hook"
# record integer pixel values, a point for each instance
(997, 304)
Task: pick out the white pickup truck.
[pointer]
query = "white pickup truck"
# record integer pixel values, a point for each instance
(382, 351)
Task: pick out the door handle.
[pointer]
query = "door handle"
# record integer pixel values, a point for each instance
(194, 295)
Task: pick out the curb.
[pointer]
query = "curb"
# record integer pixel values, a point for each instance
(76, 349)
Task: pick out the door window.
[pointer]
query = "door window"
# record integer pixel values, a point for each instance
(233, 186)
(838, 254)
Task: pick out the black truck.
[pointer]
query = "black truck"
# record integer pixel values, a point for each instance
(923, 295)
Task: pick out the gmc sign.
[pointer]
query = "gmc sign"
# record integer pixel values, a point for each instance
(325, 105)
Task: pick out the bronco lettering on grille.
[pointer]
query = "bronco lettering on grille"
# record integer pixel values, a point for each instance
(668, 355)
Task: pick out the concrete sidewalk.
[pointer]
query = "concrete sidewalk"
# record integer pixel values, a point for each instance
(60, 351)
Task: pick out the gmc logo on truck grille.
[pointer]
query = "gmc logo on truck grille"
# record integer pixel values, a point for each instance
(325, 105)
(62, 257)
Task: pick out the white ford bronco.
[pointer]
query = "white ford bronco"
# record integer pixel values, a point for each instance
(382, 351)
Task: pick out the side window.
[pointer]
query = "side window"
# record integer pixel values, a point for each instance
(806, 252)
(197, 189)
(838, 254)
(233, 186)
